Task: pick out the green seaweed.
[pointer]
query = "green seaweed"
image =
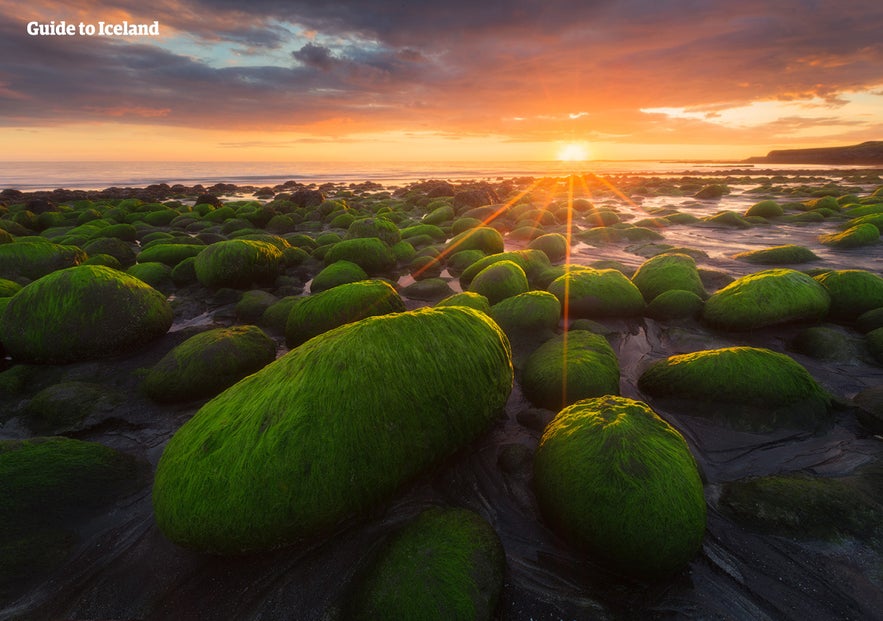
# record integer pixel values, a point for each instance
(592, 293)
(32, 260)
(787, 254)
(535, 312)
(666, 272)
(852, 292)
(533, 262)
(500, 280)
(237, 263)
(369, 253)
(381, 228)
(331, 428)
(469, 299)
(483, 238)
(765, 209)
(554, 245)
(170, 254)
(621, 483)
(675, 304)
(337, 273)
(854, 237)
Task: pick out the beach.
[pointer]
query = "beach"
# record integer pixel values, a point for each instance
(790, 487)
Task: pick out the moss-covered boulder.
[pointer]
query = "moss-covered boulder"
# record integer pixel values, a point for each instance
(743, 387)
(622, 483)
(873, 339)
(852, 292)
(345, 303)
(675, 304)
(534, 313)
(8, 288)
(483, 238)
(553, 245)
(34, 259)
(331, 428)
(170, 254)
(788, 254)
(590, 293)
(48, 487)
(853, 237)
(369, 253)
(381, 228)
(499, 281)
(337, 273)
(238, 263)
(121, 250)
(825, 343)
(766, 298)
(869, 320)
(572, 366)
(157, 275)
(205, 364)
(666, 272)
(469, 299)
(447, 564)
(427, 290)
(68, 407)
(765, 209)
(251, 306)
(82, 313)
(533, 262)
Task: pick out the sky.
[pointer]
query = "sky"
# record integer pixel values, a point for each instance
(398, 80)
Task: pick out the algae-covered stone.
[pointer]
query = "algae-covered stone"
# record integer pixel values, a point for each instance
(569, 367)
(445, 565)
(590, 293)
(252, 304)
(621, 483)
(170, 254)
(499, 281)
(675, 304)
(380, 228)
(428, 289)
(852, 292)
(553, 245)
(766, 298)
(535, 312)
(468, 298)
(345, 303)
(369, 253)
(34, 259)
(337, 273)
(206, 364)
(8, 288)
(483, 238)
(81, 313)
(331, 428)
(533, 262)
(115, 247)
(67, 406)
(238, 263)
(771, 389)
(765, 209)
(157, 275)
(666, 272)
(788, 254)
(825, 343)
(853, 237)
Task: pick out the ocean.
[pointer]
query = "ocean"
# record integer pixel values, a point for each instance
(33, 176)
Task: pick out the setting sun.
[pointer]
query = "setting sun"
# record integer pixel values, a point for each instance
(573, 152)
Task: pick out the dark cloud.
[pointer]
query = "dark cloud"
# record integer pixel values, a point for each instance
(315, 56)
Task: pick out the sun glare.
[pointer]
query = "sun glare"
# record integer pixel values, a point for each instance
(573, 152)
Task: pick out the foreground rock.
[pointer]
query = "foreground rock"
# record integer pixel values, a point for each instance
(622, 483)
(330, 429)
(82, 313)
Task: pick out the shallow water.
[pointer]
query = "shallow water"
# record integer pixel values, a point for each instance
(126, 569)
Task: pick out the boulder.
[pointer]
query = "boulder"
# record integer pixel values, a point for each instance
(499, 281)
(330, 429)
(854, 237)
(34, 259)
(597, 293)
(666, 272)
(238, 263)
(789, 254)
(852, 292)
(369, 253)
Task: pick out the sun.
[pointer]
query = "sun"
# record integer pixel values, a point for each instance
(573, 152)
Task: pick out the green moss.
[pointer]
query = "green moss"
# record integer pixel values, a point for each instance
(439, 215)
(536, 313)
(712, 191)
(869, 320)
(533, 262)
(554, 245)
(369, 253)
(874, 340)
(62, 408)
(728, 218)
(32, 260)
(483, 238)
(428, 289)
(499, 281)
(436, 233)
(852, 292)
(446, 565)
(337, 273)
(81, 313)
(622, 483)
(276, 315)
(469, 299)
(824, 343)
(157, 275)
(461, 225)
(777, 390)
(252, 304)
(238, 263)
(666, 272)
(853, 237)
(766, 298)
(597, 293)
(8, 288)
(788, 254)
(569, 367)
(205, 364)
(184, 273)
(675, 304)
(422, 267)
(804, 507)
(331, 428)
(765, 209)
(610, 235)
(117, 248)
(380, 228)
(343, 304)
(170, 254)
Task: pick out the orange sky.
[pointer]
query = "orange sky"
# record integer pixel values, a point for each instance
(378, 81)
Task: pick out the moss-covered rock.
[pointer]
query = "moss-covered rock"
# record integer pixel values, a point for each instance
(157, 275)
(331, 428)
(34, 259)
(47, 487)
(621, 483)
(712, 191)
(869, 320)
(8, 288)
(238, 263)
(534, 313)
(469, 299)
(369, 253)
(65, 407)
(873, 339)
(276, 315)
(590, 293)
(853, 237)
(675, 304)
(499, 281)
(765, 209)
(766, 298)
(666, 272)
(381, 228)
(483, 238)
(119, 249)
(460, 261)
(170, 254)
(569, 367)
(554, 245)
(439, 215)
(789, 254)
(343, 304)
(533, 262)
(825, 343)
(744, 387)
(205, 364)
(447, 564)
(252, 304)
(428, 289)
(81, 313)
(337, 273)
(852, 292)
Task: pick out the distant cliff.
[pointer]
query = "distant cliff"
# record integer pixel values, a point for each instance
(866, 153)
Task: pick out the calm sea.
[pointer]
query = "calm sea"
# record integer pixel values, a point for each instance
(30, 176)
